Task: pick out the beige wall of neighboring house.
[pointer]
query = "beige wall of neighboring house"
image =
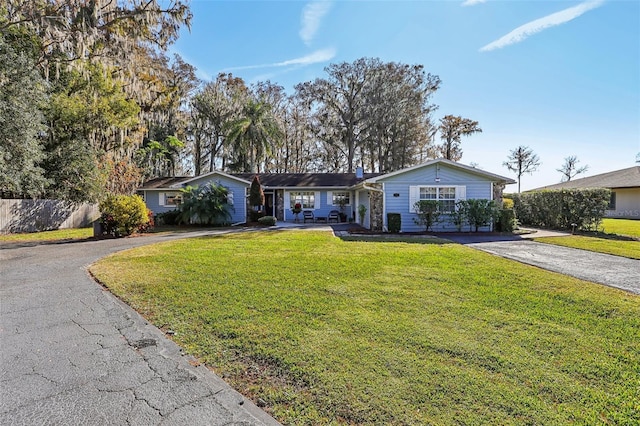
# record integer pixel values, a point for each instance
(627, 203)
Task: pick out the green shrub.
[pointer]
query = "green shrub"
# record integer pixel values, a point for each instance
(168, 218)
(267, 220)
(506, 220)
(428, 212)
(480, 212)
(560, 209)
(122, 215)
(394, 220)
(205, 205)
(255, 215)
(459, 216)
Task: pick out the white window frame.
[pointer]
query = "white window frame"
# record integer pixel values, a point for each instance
(415, 194)
(331, 197)
(298, 196)
(166, 196)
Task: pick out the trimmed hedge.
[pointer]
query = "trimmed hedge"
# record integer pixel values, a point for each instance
(394, 220)
(561, 209)
(267, 220)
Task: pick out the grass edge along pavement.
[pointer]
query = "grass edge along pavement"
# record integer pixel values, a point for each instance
(617, 247)
(619, 237)
(323, 331)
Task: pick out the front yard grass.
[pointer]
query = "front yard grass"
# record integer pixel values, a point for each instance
(626, 227)
(619, 237)
(326, 331)
(57, 235)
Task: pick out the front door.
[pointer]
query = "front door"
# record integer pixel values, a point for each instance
(269, 204)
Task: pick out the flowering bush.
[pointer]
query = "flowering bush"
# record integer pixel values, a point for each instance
(122, 215)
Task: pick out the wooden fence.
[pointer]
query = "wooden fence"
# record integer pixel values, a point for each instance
(44, 215)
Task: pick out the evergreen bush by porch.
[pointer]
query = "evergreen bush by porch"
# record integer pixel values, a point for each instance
(394, 220)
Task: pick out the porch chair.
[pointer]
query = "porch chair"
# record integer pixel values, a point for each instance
(308, 215)
(334, 215)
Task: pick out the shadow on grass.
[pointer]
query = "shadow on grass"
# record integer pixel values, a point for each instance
(605, 236)
(4, 245)
(409, 239)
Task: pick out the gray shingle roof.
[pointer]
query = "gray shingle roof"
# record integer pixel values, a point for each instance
(625, 178)
(320, 180)
(276, 180)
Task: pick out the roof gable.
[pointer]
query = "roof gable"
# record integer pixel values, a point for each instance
(218, 173)
(487, 175)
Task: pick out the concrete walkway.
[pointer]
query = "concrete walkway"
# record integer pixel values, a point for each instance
(73, 354)
(613, 271)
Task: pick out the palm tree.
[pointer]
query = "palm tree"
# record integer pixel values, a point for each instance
(205, 205)
(250, 136)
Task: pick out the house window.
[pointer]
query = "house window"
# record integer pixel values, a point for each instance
(229, 197)
(306, 199)
(170, 199)
(612, 201)
(445, 195)
(340, 199)
(447, 198)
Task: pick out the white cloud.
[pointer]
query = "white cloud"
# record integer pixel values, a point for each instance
(312, 15)
(472, 2)
(533, 27)
(322, 55)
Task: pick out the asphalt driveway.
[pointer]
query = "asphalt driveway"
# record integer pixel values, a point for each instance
(613, 271)
(73, 354)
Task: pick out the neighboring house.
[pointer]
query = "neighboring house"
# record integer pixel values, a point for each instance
(321, 193)
(625, 190)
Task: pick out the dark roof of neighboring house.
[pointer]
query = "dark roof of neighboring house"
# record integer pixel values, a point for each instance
(625, 178)
(274, 180)
(279, 180)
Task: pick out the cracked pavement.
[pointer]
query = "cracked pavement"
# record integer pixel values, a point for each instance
(71, 353)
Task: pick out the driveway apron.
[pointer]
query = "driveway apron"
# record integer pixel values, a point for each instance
(613, 271)
(73, 354)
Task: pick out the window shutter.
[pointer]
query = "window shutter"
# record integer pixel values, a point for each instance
(229, 196)
(461, 193)
(330, 198)
(161, 198)
(414, 196)
(316, 204)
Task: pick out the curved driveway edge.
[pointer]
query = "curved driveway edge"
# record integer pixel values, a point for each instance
(71, 353)
(612, 271)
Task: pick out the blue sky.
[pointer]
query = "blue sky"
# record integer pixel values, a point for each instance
(562, 77)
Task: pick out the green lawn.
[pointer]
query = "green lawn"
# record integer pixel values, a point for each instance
(58, 235)
(627, 227)
(600, 244)
(618, 237)
(327, 331)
